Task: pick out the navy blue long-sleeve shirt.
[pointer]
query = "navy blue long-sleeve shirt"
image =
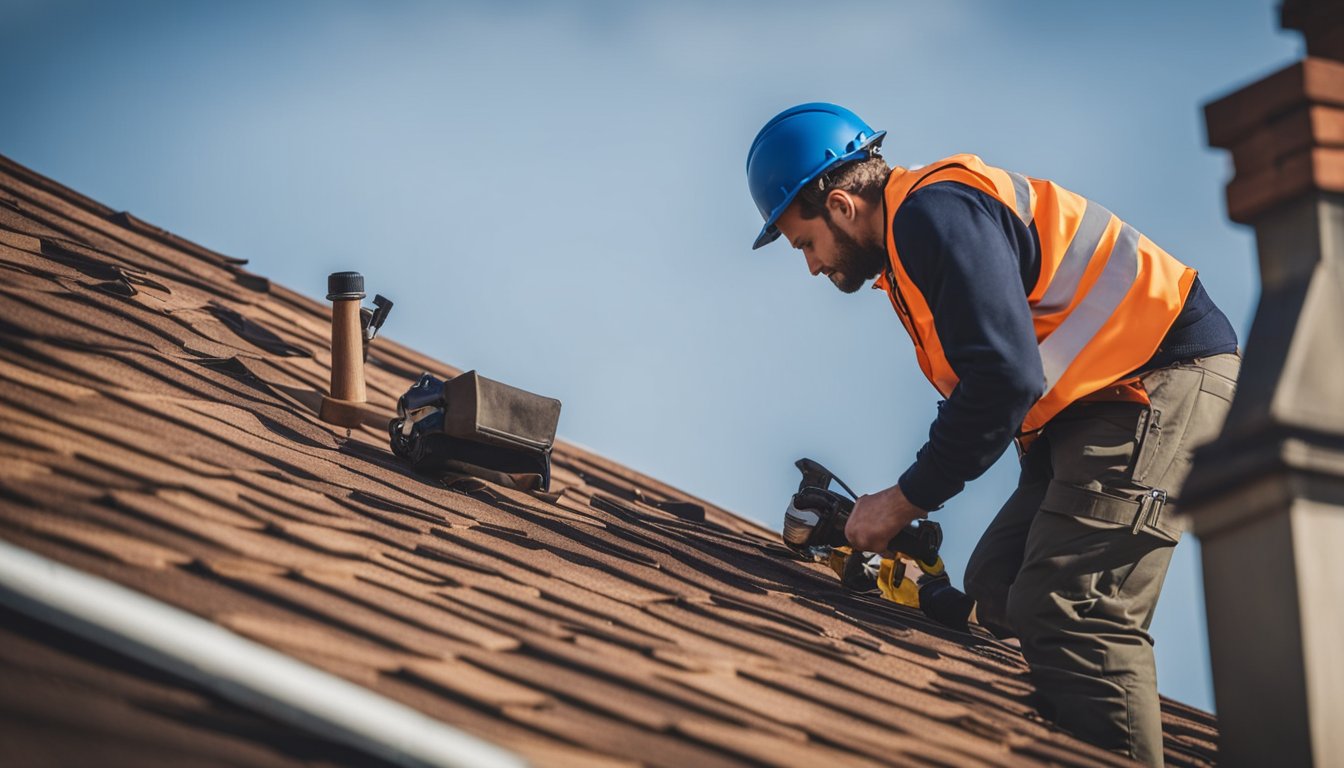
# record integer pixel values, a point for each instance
(968, 253)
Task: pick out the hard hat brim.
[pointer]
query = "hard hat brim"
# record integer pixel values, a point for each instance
(769, 234)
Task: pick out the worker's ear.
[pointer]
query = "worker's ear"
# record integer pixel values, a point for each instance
(841, 204)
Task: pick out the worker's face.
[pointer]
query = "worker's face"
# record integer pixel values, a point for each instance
(830, 247)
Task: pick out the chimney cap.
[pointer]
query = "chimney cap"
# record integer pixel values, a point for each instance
(1321, 22)
(345, 285)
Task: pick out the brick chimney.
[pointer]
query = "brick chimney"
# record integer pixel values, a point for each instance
(1266, 498)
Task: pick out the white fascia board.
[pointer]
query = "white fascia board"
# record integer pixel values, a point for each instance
(235, 668)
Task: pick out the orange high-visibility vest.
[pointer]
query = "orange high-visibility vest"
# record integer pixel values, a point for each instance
(1105, 298)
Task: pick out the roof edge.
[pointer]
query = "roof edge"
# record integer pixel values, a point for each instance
(233, 667)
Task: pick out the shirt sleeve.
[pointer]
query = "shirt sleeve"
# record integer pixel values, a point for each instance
(970, 257)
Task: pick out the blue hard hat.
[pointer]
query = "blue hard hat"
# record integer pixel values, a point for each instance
(795, 147)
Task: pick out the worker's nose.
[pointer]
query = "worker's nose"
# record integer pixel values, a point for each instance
(813, 263)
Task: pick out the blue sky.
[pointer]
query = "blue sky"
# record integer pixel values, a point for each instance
(554, 194)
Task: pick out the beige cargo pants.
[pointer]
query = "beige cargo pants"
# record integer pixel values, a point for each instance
(1073, 563)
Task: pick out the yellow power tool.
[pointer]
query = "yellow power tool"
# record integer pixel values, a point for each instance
(814, 529)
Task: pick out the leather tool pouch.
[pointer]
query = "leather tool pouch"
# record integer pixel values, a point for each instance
(471, 425)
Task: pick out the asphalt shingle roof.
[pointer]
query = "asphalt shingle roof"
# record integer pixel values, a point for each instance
(157, 404)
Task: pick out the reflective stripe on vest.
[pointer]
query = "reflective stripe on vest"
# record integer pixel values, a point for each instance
(1022, 196)
(1060, 348)
(1103, 301)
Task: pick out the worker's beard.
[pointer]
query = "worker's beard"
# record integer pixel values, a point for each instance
(855, 263)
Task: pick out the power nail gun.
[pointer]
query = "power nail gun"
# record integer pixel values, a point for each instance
(817, 515)
(814, 529)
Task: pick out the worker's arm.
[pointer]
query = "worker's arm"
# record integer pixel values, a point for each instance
(973, 260)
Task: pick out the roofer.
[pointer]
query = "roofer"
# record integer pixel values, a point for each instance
(1038, 315)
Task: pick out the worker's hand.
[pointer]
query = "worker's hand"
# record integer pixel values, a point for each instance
(878, 517)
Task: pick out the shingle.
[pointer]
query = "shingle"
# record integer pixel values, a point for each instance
(67, 702)
(157, 428)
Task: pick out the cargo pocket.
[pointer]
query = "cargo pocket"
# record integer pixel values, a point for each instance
(1174, 393)
(1139, 510)
(1218, 385)
(1147, 444)
(1113, 531)
(1202, 423)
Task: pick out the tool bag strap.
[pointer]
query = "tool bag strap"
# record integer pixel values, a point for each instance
(1138, 509)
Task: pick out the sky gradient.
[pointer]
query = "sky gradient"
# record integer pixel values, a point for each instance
(554, 194)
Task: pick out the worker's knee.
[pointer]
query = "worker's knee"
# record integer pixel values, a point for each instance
(1035, 609)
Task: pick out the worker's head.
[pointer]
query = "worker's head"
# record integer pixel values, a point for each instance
(836, 221)
(816, 176)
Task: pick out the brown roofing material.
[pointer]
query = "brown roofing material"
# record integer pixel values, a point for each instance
(66, 701)
(159, 429)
